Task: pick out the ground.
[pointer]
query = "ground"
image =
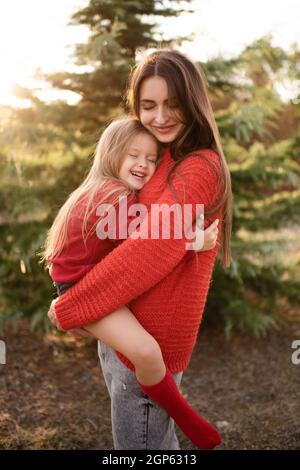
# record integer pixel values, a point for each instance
(53, 396)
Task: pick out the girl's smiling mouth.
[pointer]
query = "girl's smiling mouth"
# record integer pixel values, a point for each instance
(138, 174)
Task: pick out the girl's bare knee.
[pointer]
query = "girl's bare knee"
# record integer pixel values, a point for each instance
(148, 352)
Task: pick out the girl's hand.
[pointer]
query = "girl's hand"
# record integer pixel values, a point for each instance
(209, 236)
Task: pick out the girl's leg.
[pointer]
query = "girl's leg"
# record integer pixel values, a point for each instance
(121, 331)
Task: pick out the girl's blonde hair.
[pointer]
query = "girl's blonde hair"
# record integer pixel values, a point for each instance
(108, 158)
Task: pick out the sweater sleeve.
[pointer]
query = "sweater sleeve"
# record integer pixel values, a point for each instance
(138, 263)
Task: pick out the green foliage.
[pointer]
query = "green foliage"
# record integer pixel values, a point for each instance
(53, 142)
(45, 151)
(266, 181)
(245, 297)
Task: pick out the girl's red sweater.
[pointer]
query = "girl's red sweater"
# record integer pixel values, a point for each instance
(78, 257)
(158, 279)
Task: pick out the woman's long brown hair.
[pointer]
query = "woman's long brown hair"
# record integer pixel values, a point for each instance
(188, 86)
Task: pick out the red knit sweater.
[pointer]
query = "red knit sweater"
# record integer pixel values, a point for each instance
(157, 279)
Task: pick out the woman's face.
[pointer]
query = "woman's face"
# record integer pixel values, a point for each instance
(163, 120)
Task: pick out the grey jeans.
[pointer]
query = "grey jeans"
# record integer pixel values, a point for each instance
(137, 422)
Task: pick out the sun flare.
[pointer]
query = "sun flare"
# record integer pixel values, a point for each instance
(34, 34)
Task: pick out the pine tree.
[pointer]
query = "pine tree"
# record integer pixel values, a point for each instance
(118, 32)
(266, 179)
(52, 141)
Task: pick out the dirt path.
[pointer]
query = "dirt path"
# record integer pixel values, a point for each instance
(53, 396)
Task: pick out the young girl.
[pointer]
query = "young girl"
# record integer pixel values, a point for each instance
(125, 160)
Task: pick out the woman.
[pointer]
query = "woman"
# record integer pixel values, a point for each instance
(163, 285)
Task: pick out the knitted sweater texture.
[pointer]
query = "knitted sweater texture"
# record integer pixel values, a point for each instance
(161, 283)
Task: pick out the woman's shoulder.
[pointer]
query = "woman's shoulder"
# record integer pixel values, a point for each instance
(202, 155)
(201, 160)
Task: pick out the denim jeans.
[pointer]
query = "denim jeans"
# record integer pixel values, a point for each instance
(62, 287)
(137, 422)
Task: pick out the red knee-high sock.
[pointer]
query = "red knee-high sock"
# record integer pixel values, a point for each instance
(196, 428)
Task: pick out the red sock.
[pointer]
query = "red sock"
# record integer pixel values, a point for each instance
(196, 428)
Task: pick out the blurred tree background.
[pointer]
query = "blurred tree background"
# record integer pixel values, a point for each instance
(46, 149)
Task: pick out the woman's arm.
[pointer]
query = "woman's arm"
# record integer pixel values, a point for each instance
(138, 264)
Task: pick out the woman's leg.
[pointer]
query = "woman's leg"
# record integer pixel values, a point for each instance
(137, 422)
(121, 331)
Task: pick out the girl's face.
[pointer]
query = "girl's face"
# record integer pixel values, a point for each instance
(139, 162)
(163, 120)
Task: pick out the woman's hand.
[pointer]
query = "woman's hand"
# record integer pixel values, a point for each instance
(81, 333)
(52, 316)
(209, 237)
(77, 332)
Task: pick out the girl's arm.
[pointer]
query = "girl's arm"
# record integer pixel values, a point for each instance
(138, 264)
